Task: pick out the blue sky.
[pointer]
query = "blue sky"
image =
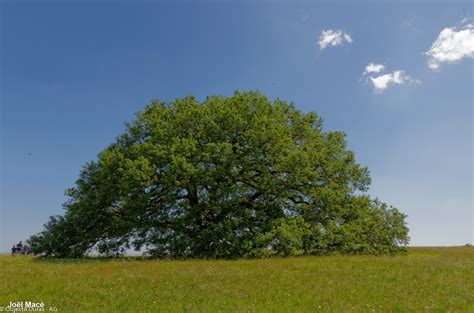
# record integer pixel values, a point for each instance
(72, 75)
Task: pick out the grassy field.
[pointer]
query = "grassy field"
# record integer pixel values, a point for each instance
(424, 280)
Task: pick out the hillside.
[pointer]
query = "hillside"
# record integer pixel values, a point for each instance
(424, 280)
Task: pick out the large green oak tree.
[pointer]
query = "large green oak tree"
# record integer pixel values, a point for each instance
(227, 177)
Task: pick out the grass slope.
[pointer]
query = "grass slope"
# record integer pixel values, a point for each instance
(424, 280)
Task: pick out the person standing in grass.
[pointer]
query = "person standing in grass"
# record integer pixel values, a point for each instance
(19, 247)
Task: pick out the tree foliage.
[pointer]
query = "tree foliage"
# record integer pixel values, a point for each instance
(230, 177)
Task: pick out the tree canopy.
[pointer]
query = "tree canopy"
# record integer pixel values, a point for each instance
(227, 177)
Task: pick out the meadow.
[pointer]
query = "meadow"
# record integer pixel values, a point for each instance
(423, 280)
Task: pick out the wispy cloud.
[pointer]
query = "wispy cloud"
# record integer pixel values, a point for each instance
(383, 81)
(452, 45)
(333, 38)
(398, 77)
(299, 17)
(303, 15)
(373, 68)
(410, 25)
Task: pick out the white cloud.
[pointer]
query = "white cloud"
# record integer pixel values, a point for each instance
(452, 45)
(397, 77)
(373, 68)
(383, 81)
(333, 38)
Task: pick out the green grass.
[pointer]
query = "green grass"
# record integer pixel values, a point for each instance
(424, 280)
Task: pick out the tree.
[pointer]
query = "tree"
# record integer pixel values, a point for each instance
(230, 177)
